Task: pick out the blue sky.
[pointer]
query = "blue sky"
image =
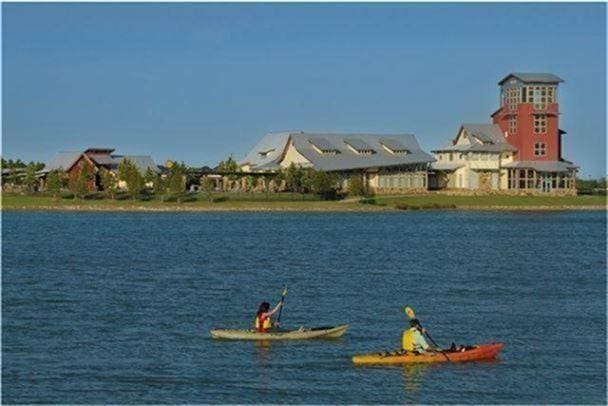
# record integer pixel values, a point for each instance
(197, 82)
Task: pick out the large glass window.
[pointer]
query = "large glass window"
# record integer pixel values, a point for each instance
(511, 98)
(541, 96)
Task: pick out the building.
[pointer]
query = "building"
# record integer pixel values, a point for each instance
(96, 158)
(389, 163)
(520, 152)
(473, 160)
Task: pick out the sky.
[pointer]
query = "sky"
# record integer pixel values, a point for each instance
(198, 82)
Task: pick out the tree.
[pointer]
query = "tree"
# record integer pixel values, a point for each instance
(293, 177)
(356, 186)
(54, 183)
(79, 183)
(306, 180)
(324, 184)
(108, 182)
(29, 179)
(228, 165)
(207, 186)
(150, 177)
(176, 180)
(128, 172)
(159, 187)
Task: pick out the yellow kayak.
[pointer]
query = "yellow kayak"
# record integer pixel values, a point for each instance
(300, 334)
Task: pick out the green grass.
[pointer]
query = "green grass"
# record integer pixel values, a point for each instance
(494, 201)
(298, 202)
(198, 201)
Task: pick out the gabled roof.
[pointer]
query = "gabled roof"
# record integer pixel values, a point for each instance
(489, 135)
(65, 160)
(486, 133)
(347, 159)
(267, 151)
(533, 78)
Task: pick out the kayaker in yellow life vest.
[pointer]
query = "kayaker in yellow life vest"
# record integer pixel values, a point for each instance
(413, 338)
(262, 317)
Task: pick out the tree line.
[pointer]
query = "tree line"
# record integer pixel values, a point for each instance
(137, 184)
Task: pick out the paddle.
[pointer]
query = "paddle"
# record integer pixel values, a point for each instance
(410, 313)
(282, 301)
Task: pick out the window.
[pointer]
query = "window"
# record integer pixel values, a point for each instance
(451, 157)
(541, 96)
(540, 124)
(540, 149)
(511, 98)
(513, 124)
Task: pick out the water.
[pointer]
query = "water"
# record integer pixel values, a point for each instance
(116, 307)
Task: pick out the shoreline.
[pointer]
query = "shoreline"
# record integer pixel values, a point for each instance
(333, 209)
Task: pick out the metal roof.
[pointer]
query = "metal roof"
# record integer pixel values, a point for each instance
(344, 158)
(541, 166)
(392, 144)
(446, 166)
(533, 78)
(323, 144)
(347, 159)
(490, 135)
(267, 151)
(65, 160)
(358, 144)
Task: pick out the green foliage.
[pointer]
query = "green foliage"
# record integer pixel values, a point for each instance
(306, 179)
(325, 184)
(591, 186)
(108, 182)
(159, 187)
(207, 186)
(150, 176)
(176, 180)
(356, 186)
(293, 177)
(29, 179)
(54, 182)
(128, 172)
(228, 165)
(79, 183)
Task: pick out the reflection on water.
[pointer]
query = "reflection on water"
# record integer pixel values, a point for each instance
(263, 349)
(413, 376)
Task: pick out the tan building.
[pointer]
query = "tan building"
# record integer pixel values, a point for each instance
(474, 160)
(389, 163)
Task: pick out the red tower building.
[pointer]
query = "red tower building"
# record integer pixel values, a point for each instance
(529, 118)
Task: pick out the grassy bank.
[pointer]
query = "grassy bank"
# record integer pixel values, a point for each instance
(297, 202)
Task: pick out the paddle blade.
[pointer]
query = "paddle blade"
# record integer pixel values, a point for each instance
(410, 312)
(285, 291)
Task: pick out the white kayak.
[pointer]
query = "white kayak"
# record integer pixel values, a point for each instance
(300, 334)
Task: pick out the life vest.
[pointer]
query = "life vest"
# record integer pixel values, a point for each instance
(413, 340)
(262, 324)
(407, 342)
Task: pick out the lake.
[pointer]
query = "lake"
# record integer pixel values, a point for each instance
(117, 307)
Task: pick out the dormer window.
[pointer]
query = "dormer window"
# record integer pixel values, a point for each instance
(265, 153)
(394, 147)
(359, 146)
(323, 146)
